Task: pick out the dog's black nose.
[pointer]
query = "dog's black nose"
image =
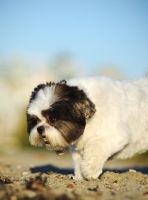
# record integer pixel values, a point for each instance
(40, 129)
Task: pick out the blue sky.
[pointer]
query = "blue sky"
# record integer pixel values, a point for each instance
(94, 32)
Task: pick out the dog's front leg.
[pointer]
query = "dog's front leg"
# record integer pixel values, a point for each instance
(93, 161)
(77, 159)
(98, 150)
(86, 164)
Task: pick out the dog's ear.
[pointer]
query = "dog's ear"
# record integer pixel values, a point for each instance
(84, 107)
(63, 82)
(88, 108)
(76, 101)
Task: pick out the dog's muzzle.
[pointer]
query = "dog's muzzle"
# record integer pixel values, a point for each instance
(41, 131)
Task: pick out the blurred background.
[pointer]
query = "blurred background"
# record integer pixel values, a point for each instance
(51, 40)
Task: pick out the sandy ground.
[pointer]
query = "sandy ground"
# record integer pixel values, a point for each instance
(43, 175)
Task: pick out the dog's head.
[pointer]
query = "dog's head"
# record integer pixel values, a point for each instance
(57, 114)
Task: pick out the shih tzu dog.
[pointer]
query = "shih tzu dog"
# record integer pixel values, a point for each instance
(97, 117)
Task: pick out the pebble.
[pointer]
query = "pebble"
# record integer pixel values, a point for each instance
(25, 173)
(23, 179)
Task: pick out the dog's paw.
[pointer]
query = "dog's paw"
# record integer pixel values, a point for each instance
(93, 176)
(77, 177)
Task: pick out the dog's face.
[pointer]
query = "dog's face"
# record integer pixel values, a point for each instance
(57, 115)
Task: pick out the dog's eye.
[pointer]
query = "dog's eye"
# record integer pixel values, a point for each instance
(33, 120)
(52, 120)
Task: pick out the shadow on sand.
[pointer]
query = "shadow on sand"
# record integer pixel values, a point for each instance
(48, 168)
(64, 171)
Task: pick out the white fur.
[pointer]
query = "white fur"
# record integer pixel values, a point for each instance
(45, 98)
(119, 126)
